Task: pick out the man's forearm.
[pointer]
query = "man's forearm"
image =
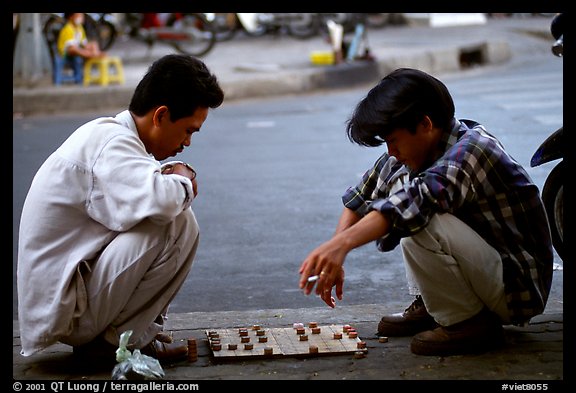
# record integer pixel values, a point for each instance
(364, 230)
(347, 219)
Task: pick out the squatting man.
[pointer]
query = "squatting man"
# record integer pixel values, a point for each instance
(107, 233)
(469, 220)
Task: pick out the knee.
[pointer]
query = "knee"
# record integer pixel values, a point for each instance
(430, 240)
(418, 248)
(407, 242)
(182, 229)
(189, 219)
(186, 225)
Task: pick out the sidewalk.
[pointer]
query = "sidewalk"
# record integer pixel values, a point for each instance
(250, 67)
(532, 353)
(268, 66)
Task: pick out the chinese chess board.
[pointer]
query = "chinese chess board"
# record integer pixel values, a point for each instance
(300, 340)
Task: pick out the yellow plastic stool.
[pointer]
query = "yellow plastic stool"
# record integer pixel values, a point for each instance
(103, 70)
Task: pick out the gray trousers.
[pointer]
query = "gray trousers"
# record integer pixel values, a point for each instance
(455, 270)
(134, 279)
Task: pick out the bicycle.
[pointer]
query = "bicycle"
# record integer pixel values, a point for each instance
(189, 33)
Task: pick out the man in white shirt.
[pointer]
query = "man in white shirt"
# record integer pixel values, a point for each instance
(107, 235)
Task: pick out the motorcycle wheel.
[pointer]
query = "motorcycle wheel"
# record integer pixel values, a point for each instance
(307, 27)
(251, 25)
(553, 197)
(257, 31)
(378, 20)
(202, 36)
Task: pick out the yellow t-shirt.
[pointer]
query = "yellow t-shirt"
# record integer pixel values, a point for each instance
(71, 35)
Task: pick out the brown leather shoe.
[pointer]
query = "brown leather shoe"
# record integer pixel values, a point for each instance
(413, 320)
(164, 337)
(480, 333)
(166, 351)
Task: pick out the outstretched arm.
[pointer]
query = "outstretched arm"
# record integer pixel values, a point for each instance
(347, 219)
(327, 260)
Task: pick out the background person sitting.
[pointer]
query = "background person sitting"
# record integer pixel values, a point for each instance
(72, 40)
(72, 49)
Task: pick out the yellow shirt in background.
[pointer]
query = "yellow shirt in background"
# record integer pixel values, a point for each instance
(71, 35)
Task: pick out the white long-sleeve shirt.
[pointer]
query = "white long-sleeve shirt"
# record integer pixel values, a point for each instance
(98, 183)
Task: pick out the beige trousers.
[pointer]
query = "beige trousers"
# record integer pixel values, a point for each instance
(455, 270)
(134, 279)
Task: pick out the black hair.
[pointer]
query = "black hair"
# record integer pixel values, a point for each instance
(181, 82)
(400, 100)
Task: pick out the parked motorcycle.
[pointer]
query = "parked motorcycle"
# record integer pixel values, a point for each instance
(227, 25)
(296, 24)
(550, 150)
(306, 25)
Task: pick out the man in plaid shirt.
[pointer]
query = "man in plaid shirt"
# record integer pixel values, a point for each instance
(471, 223)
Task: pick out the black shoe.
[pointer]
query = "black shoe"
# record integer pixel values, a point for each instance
(478, 334)
(97, 350)
(414, 319)
(162, 348)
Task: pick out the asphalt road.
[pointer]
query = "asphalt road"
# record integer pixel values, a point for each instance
(271, 173)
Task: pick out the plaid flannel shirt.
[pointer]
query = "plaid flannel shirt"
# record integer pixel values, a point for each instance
(476, 180)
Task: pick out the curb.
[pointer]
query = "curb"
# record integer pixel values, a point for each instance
(51, 100)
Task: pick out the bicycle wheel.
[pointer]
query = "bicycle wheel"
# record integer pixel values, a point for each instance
(51, 29)
(199, 32)
(225, 26)
(106, 34)
(100, 30)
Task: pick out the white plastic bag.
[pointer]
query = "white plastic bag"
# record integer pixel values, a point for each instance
(134, 365)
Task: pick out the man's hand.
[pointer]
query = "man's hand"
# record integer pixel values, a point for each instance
(326, 294)
(182, 169)
(325, 262)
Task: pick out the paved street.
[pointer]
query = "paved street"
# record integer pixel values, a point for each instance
(271, 171)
